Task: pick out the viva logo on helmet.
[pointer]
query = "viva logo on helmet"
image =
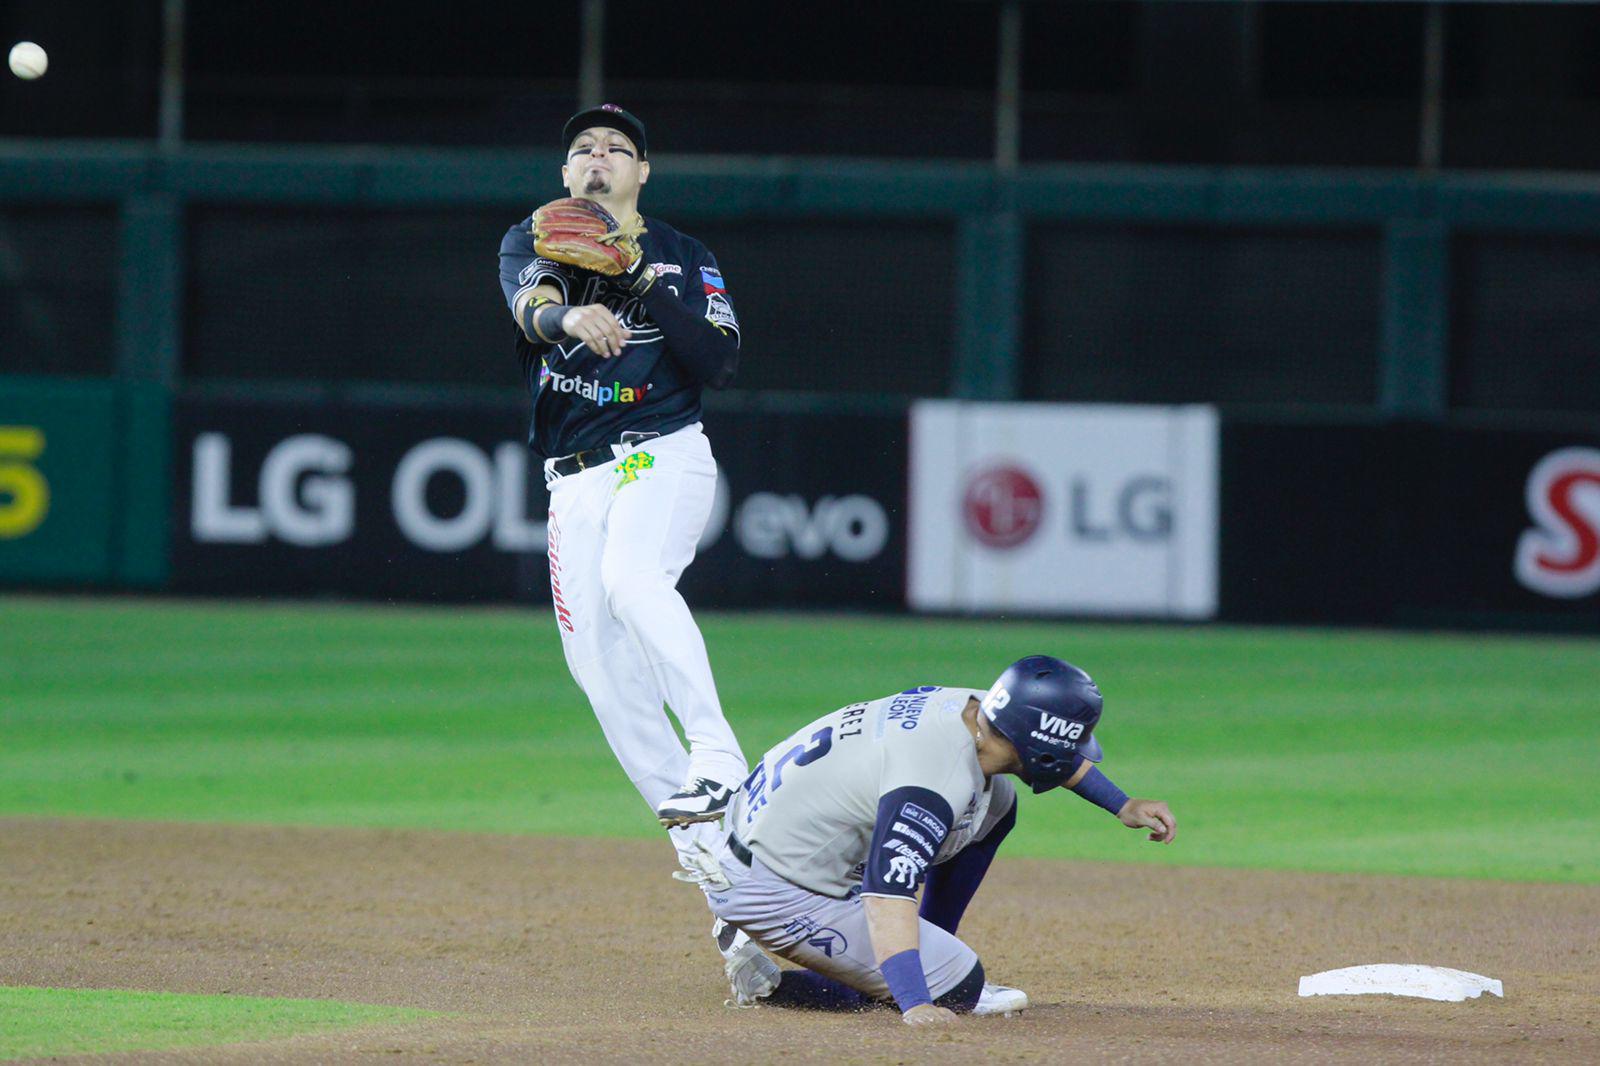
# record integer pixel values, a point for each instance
(1052, 728)
(1065, 728)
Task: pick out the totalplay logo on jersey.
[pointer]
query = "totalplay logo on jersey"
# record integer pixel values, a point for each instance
(594, 392)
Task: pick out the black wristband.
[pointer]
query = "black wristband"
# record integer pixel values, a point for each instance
(542, 319)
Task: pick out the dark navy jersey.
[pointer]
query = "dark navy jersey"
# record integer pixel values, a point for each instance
(582, 400)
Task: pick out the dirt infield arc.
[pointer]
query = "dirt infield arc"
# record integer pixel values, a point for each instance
(551, 949)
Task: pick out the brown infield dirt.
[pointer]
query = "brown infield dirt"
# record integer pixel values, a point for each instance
(555, 950)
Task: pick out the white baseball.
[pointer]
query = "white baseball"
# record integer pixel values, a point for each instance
(28, 60)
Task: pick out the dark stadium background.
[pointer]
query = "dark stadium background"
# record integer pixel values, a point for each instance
(1220, 83)
(1368, 233)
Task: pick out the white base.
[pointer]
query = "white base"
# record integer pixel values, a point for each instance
(1396, 979)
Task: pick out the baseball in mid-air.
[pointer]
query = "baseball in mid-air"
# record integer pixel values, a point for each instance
(28, 60)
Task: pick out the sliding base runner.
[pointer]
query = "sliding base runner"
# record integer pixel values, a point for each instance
(834, 832)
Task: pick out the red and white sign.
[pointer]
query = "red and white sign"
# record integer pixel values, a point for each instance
(1002, 505)
(1560, 556)
(1063, 508)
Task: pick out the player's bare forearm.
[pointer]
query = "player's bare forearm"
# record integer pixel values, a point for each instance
(1152, 815)
(545, 320)
(893, 924)
(539, 293)
(542, 291)
(894, 928)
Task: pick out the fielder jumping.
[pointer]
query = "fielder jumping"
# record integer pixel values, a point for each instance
(621, 322)
(836, 829)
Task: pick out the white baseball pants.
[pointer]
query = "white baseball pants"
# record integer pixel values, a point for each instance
(621, 534)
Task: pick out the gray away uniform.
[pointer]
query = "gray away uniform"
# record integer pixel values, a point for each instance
(860, 802)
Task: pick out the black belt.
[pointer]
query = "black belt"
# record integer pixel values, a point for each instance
(739, 851)
(577, 462)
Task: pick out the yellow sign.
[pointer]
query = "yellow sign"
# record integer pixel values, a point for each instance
(24, 493)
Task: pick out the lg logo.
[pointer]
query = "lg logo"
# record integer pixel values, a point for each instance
(1560, 556)
(305, 495)
(1004, 506)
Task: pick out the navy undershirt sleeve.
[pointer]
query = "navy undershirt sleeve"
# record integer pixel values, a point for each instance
(912, 823)
(516, 252)
(1098, 789)
(953, 883)
(708, 354)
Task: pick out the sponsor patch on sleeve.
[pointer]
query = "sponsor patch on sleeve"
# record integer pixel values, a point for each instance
(910, 828)
(544, 270)
(927, 819)
(719, 312)
(712, 280)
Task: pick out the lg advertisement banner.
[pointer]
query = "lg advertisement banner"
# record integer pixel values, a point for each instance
(1063, 509)
(352, 499)
(430, 502)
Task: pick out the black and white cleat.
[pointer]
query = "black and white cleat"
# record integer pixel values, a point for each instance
(701, 800)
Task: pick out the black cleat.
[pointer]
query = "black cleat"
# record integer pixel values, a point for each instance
(701, 800)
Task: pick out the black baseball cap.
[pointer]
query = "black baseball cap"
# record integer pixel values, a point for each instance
(608, 115)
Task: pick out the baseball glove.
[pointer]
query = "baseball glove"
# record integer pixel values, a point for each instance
(583, 234)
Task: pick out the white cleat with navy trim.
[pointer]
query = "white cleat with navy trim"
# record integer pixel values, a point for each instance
(998, 999)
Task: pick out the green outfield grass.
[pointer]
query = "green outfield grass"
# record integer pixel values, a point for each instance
(38, 1022)
(1453, 755)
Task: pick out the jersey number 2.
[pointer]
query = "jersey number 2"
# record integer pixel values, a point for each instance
(756, 788)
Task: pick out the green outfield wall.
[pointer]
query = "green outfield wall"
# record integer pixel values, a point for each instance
(1415, 275)
(84, 482)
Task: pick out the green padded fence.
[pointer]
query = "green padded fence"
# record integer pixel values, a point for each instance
(83, 482)
(1416, 213)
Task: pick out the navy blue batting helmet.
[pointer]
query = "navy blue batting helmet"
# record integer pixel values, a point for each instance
(1048, 710)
